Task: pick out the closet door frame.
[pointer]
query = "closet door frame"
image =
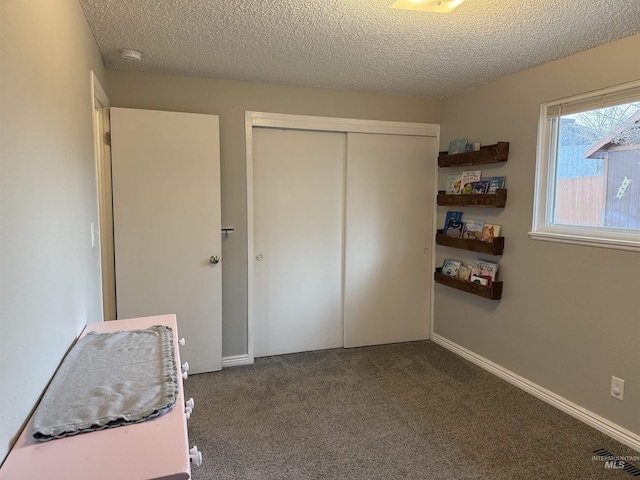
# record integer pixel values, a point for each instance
(325, 124)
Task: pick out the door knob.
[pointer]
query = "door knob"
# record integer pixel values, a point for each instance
(214, 259)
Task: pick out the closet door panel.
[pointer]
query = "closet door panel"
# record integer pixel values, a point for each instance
(298, 211)
(389, 211)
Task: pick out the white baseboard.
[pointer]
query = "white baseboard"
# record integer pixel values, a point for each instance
(599, 423)
(235, 360)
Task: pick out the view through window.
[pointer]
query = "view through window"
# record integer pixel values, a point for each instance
(597, 174)
(588, 169)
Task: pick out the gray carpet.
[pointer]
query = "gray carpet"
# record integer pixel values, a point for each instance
(411, 410)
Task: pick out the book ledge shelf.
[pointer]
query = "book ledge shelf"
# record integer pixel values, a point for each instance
(487, 154)
(492, 292)
(489, 200)
(495, 248)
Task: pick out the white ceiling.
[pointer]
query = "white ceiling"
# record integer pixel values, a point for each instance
(359, 45)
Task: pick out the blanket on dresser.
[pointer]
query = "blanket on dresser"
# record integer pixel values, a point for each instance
(108, 380)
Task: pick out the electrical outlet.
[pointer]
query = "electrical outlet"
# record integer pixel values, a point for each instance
(617, 388)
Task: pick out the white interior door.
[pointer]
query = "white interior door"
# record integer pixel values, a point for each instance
(388, 234)
(166, 199)
(298, 218)
(101, 128)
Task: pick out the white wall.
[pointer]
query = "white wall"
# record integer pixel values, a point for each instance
(229, 100)
(569, 317)
(49, 274)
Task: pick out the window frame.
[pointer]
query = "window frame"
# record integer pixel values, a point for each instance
(543, 228)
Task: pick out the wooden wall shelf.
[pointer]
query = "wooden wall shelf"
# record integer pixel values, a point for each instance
(490, 200)
(487, 154)
(495, 248)
(492, 292)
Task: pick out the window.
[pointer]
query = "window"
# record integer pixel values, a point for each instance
(588, 169)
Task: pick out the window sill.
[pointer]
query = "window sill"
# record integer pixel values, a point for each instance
(628, 245)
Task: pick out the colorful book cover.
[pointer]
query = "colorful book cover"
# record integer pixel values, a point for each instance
(481, 268)
(452, 217)
(480, 187)
(494, 183)
(453, 184)
(467, 178)
(489, 232)
(457, 146)
(451, 267)
(454, 229)
(480, 280)
(464, 272)
(472, 229)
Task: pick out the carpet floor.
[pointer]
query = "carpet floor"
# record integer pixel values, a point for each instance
(409, 410)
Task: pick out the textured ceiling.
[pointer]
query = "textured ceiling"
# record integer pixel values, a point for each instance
(359, 45)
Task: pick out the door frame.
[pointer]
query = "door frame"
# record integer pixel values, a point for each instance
(100, 105)
(324, 124)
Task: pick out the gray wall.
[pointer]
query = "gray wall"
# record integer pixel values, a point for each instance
(230, 100)
(49, 274)
(569, 318)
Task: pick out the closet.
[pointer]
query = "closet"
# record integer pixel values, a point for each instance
(340, 228)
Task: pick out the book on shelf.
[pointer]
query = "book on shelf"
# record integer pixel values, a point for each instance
(464, 272)
(479, 280)
(468, 178)
(453, 184)
(451, 217)
(490, 231)
(457, 146)
(480, 187)
(483, 269)
(472, 229)
(450, 267)
(454, 229)
(494, 183)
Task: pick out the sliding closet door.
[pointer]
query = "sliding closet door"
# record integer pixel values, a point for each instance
(298, 211)
(388, 232)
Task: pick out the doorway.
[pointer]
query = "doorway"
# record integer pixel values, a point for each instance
(102, 147)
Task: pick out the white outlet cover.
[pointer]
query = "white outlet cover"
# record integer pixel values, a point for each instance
(617, 388)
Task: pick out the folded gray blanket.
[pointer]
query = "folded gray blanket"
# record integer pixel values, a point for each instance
(108, 380)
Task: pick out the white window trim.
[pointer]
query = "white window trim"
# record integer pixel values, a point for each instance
(542, 228)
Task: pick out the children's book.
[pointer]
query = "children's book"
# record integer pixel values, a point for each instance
(464, 272)
(472, 229)
(467, 178)
(494, 183)
(483, 269)
(480, 280)
(480, 187)
(454, 229)
(457, 146)
(452, 217)
(453, 185)
(489, 232)
(450, 267)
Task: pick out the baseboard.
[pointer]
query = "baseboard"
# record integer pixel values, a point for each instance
(599, 423)
(235, 360)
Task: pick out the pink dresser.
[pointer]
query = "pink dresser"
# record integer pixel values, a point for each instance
(155, 449)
